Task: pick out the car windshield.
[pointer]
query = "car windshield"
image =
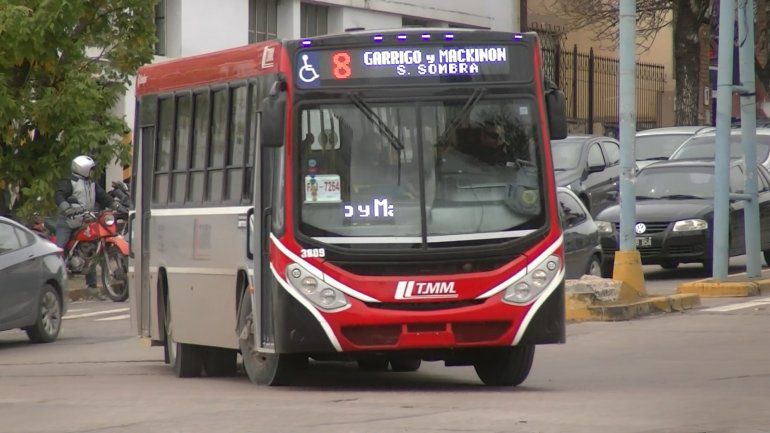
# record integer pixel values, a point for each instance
(702, 147)
(438, 171)
(566, 154)
(675, 182)
(658, 146)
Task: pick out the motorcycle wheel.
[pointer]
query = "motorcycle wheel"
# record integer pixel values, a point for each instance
(114, 278)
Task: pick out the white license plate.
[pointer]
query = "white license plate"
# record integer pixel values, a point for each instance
(644, 241)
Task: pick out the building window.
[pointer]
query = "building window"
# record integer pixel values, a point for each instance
(160, 28)
(263, 20)
(314, 19)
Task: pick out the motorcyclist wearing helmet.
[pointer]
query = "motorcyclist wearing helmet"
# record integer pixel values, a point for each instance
(75, 195)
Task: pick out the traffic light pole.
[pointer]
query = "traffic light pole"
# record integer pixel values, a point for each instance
(747, 92)
(720, 232)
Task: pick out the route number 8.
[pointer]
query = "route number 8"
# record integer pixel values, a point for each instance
(341, 65)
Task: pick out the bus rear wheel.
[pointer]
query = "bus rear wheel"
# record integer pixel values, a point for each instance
(508, 366)
(273, 369)
(187, 359)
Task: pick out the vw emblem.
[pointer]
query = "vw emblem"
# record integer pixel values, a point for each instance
(640, 228)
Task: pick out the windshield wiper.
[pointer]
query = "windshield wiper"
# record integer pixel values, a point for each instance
(655, 158)
(469, 104)
(646, 197)
(377, 121)
(681, 197)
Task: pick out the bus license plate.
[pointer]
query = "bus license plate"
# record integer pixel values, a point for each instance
(644, 241)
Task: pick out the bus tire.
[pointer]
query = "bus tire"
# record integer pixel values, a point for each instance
(507, 366)
(273, 369)
(187, 359)
(405, 365)
(219, 362)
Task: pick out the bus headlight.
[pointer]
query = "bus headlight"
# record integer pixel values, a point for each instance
(316, 291)
(532, 284)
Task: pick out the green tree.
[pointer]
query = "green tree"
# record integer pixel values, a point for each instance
(63, 66)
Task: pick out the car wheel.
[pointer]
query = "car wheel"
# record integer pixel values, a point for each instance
(669, 264)
(766, 253)
(607, 267)
(595, 267)
(49, 316)
(508, 366)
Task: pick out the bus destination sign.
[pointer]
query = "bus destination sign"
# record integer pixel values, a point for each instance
(393, 65)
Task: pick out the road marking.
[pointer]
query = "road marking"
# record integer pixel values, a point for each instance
(121, 317)
(739, 306)
(75, 310)
(96, 313)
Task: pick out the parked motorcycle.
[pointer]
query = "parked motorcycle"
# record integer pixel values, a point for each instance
(98, 243)
(120, 193)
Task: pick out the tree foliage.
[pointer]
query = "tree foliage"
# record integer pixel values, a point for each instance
(63, 66)
(687, 18)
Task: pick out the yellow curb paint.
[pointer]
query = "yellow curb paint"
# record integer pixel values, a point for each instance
(628, 269)
(715, 289)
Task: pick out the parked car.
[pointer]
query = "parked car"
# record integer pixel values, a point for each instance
(674, 214)
(582, 251)
(658, 144)
(33, 283)
(590, 167)
(702, 146)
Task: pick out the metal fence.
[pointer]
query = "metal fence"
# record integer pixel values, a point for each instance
(590, 84)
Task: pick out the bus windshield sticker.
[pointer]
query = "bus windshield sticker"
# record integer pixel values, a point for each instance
(322, 188)
(385, 65)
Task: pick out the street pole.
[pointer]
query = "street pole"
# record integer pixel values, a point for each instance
(722, 151)
(628, 265)
(747, 92)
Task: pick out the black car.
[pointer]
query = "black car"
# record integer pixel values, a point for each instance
(582, 252)
(674, 214)
(33, 283)
(590, 167)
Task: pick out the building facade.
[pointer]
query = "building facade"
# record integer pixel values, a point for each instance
(190, 27)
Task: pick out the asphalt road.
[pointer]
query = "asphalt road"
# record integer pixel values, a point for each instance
(699, 371)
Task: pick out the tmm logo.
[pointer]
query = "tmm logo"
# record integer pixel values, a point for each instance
(414, 289)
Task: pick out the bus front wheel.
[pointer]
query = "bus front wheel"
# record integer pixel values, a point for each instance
(274, 369)
(508, 366)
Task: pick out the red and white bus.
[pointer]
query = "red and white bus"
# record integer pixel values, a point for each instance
(379, 197)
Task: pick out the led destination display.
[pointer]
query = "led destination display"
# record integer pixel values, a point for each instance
(392, 65)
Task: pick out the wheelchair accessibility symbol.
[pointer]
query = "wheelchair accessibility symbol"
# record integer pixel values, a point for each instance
(307, 72)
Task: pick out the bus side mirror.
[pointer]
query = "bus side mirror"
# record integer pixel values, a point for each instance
(557, 118)
(273, 124)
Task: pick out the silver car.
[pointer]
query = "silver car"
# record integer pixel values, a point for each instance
(659, 143)
(702, 146)
(582, 250)
(33, 283)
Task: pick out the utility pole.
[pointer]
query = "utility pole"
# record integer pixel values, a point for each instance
(628, 264)
(722, 150)
(747, 91)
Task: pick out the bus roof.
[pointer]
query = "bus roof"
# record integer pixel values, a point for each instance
(221, 66)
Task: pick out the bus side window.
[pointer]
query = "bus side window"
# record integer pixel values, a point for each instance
(200, 138)
(163, 152)
(181, 149)
(236, 152)
(216, 160)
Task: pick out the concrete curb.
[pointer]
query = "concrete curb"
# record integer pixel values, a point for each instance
(736, 285)
(77, 289)
(601, 299)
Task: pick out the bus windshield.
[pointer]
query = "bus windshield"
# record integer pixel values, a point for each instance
(423, 171)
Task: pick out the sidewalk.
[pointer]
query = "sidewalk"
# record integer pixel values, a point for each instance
(77, 289)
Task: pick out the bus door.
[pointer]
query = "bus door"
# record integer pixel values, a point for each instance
(139, 239)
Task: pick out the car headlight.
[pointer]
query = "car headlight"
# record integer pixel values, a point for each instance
(532, 284)
(605, 227)
(314, 289)
(109, 220)
(690, 225)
